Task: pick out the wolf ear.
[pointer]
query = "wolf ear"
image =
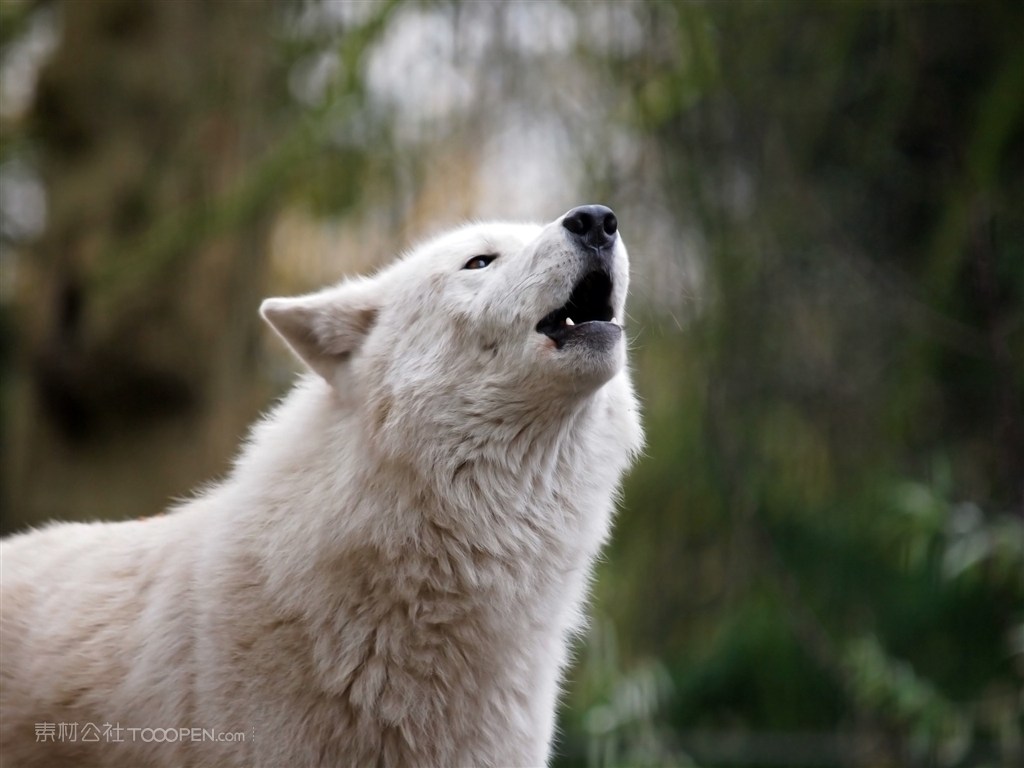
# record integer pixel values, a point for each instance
(324, 328)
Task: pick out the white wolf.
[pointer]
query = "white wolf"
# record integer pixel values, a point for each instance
(392, 572)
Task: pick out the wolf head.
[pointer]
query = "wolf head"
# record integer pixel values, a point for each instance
(494, 321)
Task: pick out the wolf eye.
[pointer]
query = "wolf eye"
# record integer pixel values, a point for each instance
(479, 262)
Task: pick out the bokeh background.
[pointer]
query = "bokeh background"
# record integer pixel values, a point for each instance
(820, 559)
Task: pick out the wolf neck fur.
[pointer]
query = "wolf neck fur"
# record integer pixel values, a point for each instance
(386, 529)
(393, 503)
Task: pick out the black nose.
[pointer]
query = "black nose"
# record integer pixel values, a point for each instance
(594, 225)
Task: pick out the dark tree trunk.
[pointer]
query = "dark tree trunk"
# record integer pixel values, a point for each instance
(140, 322)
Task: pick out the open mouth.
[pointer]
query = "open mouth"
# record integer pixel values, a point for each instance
(590, 302)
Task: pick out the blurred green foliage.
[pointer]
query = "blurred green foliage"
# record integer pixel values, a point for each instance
(826, 533)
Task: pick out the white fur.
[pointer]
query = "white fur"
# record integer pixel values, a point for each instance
(391, 574)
